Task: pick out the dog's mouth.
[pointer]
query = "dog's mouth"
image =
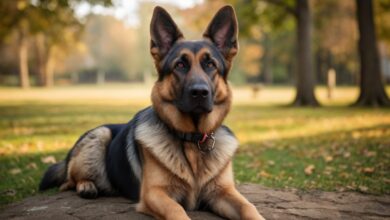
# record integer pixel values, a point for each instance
(195, 109)
(200, 109)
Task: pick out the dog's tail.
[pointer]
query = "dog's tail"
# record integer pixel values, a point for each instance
(54, 176)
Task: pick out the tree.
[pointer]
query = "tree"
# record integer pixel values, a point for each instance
(23, 58)
(300, 10)
(372, 91)
(58, 30)
(51, 19)
(14, 14)
(305, 75)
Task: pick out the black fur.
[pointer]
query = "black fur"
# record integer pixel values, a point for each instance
(122, 151)
(54, 176)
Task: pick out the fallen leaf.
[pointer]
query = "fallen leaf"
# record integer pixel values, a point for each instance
(327, 172)
(328, 158)
(341, 189)
(347, 154)
(264, 174)
(48, 159)
(32, 165)
(343, 167)
(368, 170)
(15, 171)
(271, 162)
(309, 169)
(369, 153)
(344, 175)
(363, 188)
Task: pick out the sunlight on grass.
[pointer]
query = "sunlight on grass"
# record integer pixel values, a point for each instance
(140, 94)
(345, 148)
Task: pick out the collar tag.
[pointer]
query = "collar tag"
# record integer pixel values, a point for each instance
(207, 143)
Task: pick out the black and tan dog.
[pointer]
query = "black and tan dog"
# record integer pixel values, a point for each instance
(175, 155)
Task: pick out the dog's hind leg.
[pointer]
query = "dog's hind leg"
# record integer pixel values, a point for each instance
(87, 189)
(86, 168)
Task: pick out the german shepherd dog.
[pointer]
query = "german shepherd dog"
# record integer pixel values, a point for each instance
(175, 155)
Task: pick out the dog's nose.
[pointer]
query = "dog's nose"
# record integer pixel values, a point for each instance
(199, 91)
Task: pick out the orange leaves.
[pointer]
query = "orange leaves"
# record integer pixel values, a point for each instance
(264, 174)
(15, 171)
(48, 160)
(309, 169)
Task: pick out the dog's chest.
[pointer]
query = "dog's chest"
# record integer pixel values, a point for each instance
(184, 161)
(197, 164)
(187, 162)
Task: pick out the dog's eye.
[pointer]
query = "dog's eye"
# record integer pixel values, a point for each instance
(179, 65)
(210, 65)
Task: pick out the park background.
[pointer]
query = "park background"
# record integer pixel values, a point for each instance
(310, 101)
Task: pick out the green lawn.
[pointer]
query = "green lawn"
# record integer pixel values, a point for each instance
(331, 148)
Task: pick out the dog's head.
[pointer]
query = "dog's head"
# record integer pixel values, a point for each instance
(192, 93)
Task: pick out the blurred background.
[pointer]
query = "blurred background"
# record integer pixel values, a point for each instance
(67, 66)
(46, 43)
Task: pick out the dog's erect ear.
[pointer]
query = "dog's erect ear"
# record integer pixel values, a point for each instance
(164, 33)
(223, 31)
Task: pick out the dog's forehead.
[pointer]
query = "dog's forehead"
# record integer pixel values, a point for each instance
(195, 47)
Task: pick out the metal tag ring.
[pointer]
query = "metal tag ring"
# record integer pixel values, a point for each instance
(209, 147)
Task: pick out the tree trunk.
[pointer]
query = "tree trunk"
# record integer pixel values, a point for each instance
(41, 59)
(49, 69)
(372, 91)
(100, 77)
(305, 74)
(45, 62)
(23, 61)
(267, 61)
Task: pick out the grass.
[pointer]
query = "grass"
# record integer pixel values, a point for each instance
(332, 148)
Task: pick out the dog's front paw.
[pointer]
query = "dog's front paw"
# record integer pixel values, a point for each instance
(250, 212)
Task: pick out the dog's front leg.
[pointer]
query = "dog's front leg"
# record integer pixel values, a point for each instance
(226, 201)
(156, 202)
(231, 204)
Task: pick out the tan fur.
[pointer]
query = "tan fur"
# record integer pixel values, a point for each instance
(156, 190)
(168, 111)
(87, 164)
(188, 53)
(209, 122)
(173, 176)
(227, 201)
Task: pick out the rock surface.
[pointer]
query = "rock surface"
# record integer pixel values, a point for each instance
(273, 204)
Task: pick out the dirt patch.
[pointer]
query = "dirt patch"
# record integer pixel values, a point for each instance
(272, 204)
